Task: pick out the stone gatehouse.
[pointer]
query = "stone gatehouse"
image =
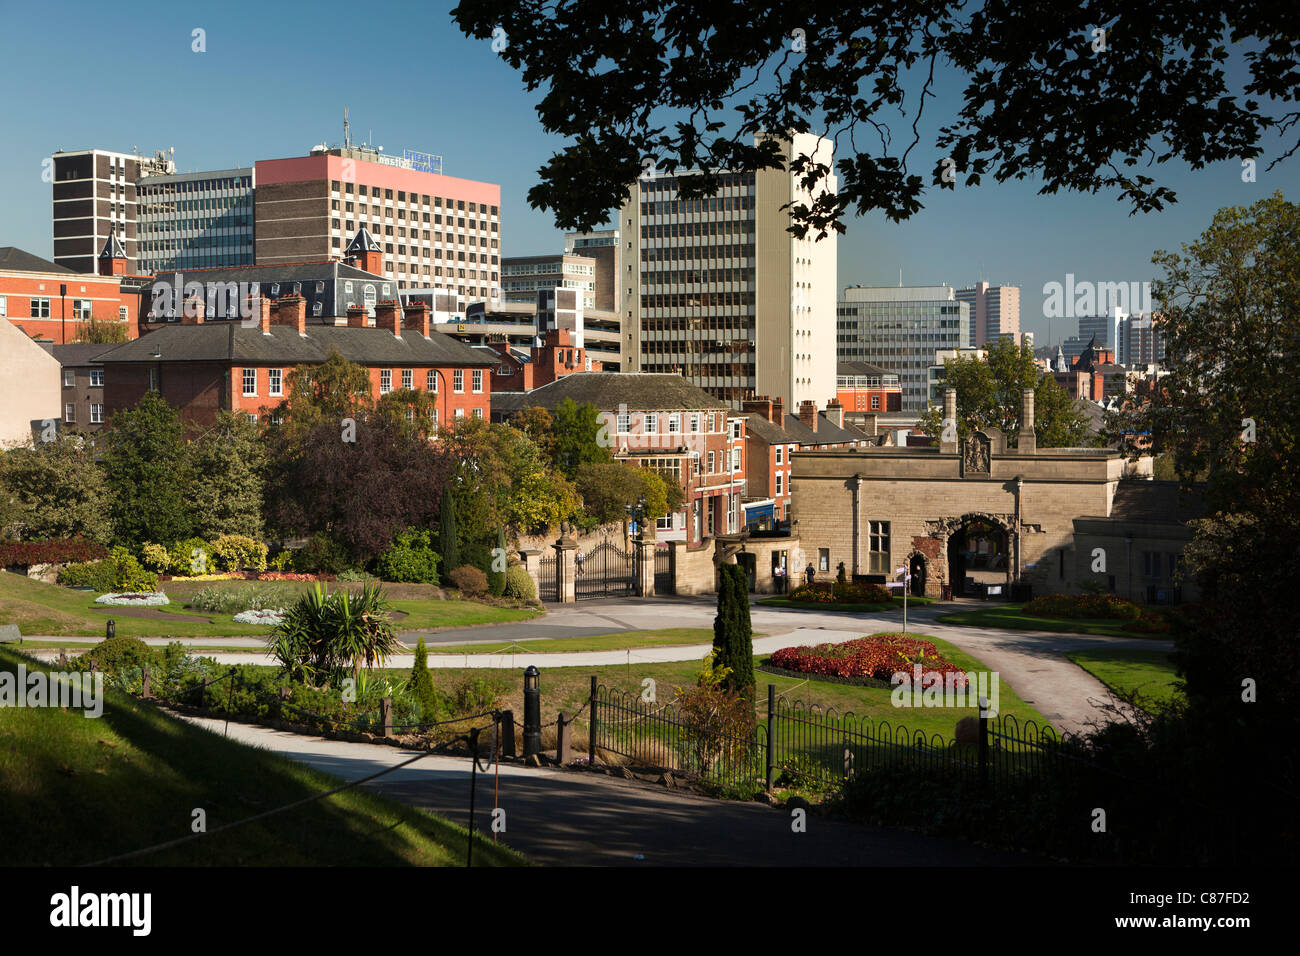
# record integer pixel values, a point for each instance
(973, 515)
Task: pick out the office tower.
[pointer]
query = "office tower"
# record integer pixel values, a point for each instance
(94, 198)
(994, 312)
(602, 246)
(721, 293)
(900, 328)
(195, 220)
(523, 276)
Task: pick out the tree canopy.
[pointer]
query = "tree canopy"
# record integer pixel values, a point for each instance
(690, 86)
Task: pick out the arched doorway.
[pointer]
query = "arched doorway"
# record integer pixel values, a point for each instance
(978, 557)
(916, 568)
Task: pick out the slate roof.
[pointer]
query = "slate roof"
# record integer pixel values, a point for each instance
(796, 432)
(639, 391)
(13, 259)
(860, 368)
(112, 248)
(288, 272)
(71, 356)
(361, 242)
(231, 342)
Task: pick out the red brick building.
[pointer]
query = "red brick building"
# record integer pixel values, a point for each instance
(556, 357)
(863, 387)
(50, 302)
(206, 367)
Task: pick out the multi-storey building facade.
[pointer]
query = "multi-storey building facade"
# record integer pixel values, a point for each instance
(721, 293)
(994, 312)
(95, 197)
(82, 384)
(53, 303)
(195, 220)
(900, 329)
(434, 231)
(522, 277)
(602, 247)
(863, 387)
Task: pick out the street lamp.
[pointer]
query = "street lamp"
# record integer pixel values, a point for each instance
(906, 580)
(636, 513)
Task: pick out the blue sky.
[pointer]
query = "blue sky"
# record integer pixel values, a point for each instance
(276, 76)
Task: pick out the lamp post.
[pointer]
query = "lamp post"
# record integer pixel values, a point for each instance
(636, 513)
(906, 579)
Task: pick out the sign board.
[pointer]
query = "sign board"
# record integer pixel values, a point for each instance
(424, 162)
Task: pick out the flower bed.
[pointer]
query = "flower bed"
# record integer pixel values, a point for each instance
(832, 592)
(226, 576)
(1083, 606)
(133, 600)
(1148, 623)
(879, 656)
(269, 617)
(285, 576)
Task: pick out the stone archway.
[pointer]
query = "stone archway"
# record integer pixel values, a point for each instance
(995, 566)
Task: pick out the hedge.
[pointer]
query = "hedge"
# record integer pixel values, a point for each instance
(54, 551)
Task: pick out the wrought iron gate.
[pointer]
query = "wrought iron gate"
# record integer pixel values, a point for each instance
(604, 571)
(664, 570)
(548, 579)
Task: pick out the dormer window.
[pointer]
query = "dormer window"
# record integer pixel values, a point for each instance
(275, 288)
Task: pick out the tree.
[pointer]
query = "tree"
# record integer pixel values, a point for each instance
(576, 433)
(537, 424)
(411, 409)
(1149, 82)
(332, 391)
(496, 574)
(989, 393)
(732, 634)
(447, 537)
(150, 473)
(94, 331)
(361, 484)
(231, 458)
(57, 490)
(422, 684)
(324, 636)
(609, 488)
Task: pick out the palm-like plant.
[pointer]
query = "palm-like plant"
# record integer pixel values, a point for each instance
(327, 635)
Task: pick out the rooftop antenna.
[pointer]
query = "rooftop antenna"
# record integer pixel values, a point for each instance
(347, 130)
(900, 277)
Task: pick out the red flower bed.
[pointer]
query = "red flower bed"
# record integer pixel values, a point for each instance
(285, 576)
(879, 656)
(1083, 606)
(57, 551)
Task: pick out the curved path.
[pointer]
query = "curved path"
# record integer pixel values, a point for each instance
(1032, 663)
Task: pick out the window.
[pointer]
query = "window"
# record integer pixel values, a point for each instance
(4, 305)
(250, 381)
(96, 413)
(779, 487)
(40, 308)
(823, 559)
(477, 381)
(624, 423)
(69, 413)
(735, 459)
(69, 378)
(778, 454)
(651, 423)
(1151, 564)
(276, 386)
(460, 413)
(695, 424)
(385, 381)
(878, 547)
(252, 417)
(121, 313)
(407, 376)
(458, 380)
(81, 309)
(431, 380)
(478, 413)
(674, 424)
(875, 402)
(153, 380)
(96, 378)
(711, 459)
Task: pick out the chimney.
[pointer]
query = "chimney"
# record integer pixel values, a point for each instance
(1026, 440)
(417, 317)
(948, 425)
(262, 309)
(808, 413)
(388, 315)
(292, 310)
(868, 424)
(778, 412)
(192, 311)
(759, 405)
(835, 412)
(358, 317)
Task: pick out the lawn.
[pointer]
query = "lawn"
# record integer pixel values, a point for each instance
(894, 605)
(663, 637)
(47, 609)
(1013, 616)
(86, 789)
(1148, 673)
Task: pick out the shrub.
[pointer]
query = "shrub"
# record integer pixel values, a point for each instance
(154, 557)
(477, 555)
(477, 694)
(233, 600)
(353, 575)
(826, 592)
(324, 637)
(421, 685)
(879, 656)
(238, 552)
(321, 554)
(718, 725)
(119, 572)
(469, 580)
(410, 560)
(55, 551)
(1083, 606)
(519, 585)
(283, 561)
(497, 579)
(1148, 623)
(191, 556)
(114, 654)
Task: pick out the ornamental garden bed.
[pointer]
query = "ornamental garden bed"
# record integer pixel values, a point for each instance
(879, 656)
(1091, 606)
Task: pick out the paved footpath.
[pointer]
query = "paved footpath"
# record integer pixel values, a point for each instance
(573, 818)
(1032, 663)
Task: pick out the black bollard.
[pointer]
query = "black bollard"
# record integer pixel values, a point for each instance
(110, 629)
(532, 712)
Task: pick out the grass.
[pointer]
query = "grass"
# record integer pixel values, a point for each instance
(86, 789)
(663, 637)
(1148, 673)
(1013, 616)
(47, 609)
(894, 605)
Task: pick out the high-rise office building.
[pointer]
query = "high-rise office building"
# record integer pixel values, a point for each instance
(195, 220)
(602, 246)
(1140, 342)
(901, 328)
(721, 293)
(94, 198)
(436, 231)
(523, 276)
(994, 312)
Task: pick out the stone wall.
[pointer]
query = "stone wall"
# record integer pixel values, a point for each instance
(693, 569)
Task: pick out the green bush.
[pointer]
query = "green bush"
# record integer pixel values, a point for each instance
(1083, 606)
(321, 555)
(190, 557)
(219, 599)
(282, 562)
(497, 578)
(469, 580)
(353, 575)
(519, 585)
(477, 555)
(238, 552)
(154, 557)
(421, 686)
(410, 560)
(114, 654)
(476, 695)
(120, 572)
